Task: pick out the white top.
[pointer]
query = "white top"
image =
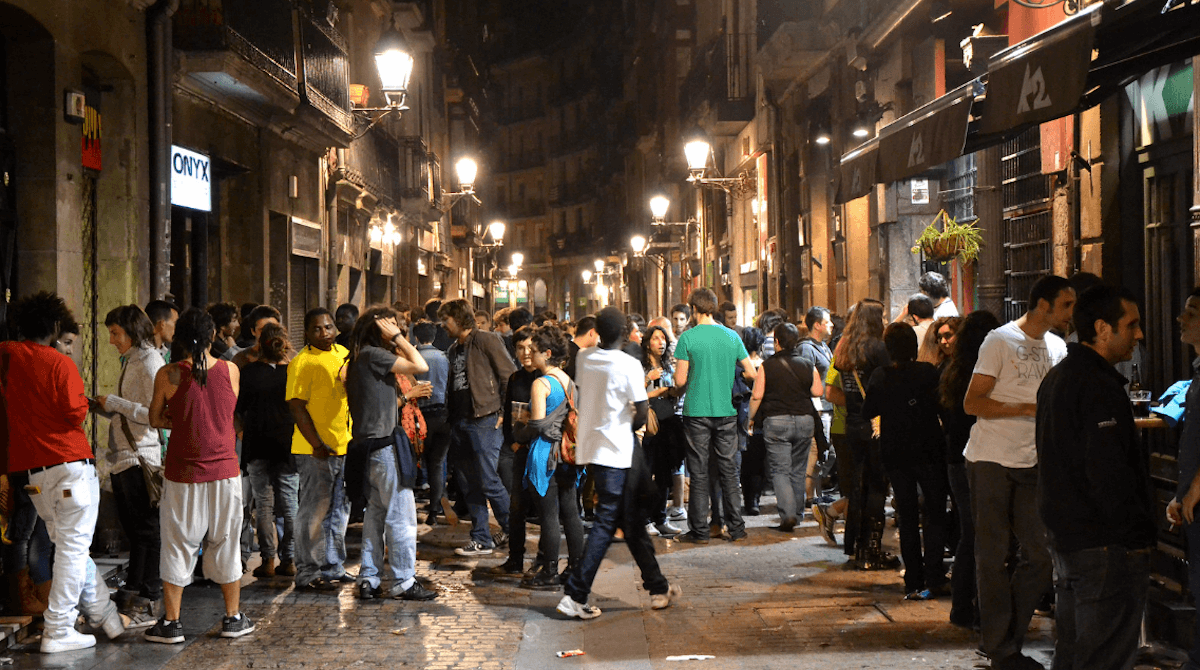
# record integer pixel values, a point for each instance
(1018, 362)
(947, 308)
(920, 329)
(607, 383)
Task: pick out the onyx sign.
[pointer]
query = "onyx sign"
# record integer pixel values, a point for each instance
(191, 179)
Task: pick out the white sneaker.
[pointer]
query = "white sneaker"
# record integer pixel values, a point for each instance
(570, 608)
(676, 513)
(661, 601)
(66, 640)
(651, 530)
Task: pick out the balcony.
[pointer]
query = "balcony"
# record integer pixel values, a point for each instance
(373, 163)
(719, 84)
(526, 210)
(243, 56)
(242, 50)
(567, 195)
(569, 143)
(791, 49)
(416, 181)
(326, 72)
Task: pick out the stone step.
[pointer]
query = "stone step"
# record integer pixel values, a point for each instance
(13, 629)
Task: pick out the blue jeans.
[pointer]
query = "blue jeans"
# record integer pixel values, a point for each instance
(713, 438)
(1100, 599)
(477, 449)
(788, 440)
(270, 480)
(610, 513)
(321, 519)
(391, 512)
(31, 546)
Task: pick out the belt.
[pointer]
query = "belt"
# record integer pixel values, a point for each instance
(435, 407)
(85, 461)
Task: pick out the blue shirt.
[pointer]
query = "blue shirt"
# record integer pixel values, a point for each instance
(439, 370)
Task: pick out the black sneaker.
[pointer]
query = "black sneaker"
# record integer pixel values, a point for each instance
(368, 592)
(474, 548)
(318, 585)
(542, 580)
(500, 540)
(236, 625)
(414, 592)
(736, 537)
(345, 578)
(165, 632)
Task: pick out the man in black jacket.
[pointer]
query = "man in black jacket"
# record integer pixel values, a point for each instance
(1094, 488)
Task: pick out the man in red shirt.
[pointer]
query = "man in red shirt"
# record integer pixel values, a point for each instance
(45, 405)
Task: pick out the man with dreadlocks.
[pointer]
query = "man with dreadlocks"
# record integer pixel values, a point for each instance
(45, 442)
(201, 504)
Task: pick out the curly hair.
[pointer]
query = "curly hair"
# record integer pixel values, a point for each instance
(40, 316)
(551, 338)
(666, 361)
(194, 334)
(967, 339)
(929, 351)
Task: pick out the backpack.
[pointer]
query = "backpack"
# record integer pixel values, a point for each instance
(570, 428)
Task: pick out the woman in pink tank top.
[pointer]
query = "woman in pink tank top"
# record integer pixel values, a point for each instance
(201, 503)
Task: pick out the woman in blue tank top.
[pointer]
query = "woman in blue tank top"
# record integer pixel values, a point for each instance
(547, 473)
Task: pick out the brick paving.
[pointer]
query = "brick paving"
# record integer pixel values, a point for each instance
(773, 601)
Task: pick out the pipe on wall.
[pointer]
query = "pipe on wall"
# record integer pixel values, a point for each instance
(159, 57)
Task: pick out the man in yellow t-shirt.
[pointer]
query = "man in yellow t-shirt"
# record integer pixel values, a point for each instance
(316, 395)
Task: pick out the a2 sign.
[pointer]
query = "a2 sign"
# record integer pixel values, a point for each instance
(191, 179)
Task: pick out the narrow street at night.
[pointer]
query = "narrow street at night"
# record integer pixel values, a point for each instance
(775, 602)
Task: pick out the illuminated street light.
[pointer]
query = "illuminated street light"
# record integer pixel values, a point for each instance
(659, 206)
(395, 65)
(638, 242)
(697, 152)
(599, 265)
(466, 169)
(587, 276)
(518, 259)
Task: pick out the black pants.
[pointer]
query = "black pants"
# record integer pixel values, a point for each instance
(860, 471)
(437, 444)
(665, 452)
(558, 508)
(963, 609)
(516, 504)
(140, 522)
(922, 570)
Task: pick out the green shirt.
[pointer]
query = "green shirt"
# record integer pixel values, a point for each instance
(834, 378)
(712, 353)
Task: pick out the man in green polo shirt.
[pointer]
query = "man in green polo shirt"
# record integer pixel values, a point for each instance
(706, 358)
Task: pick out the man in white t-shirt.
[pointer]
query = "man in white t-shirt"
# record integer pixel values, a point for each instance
(1002, 468)
(611, 396)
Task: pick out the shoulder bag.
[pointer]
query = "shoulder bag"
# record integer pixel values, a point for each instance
(875, 421)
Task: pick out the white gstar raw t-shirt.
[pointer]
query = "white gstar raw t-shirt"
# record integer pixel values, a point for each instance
(1018, 362)
(607, 383)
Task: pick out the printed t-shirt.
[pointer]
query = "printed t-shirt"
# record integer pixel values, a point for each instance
(319, 378)
(1018, 362)
(371, 393)
(713, 353)
(608, 385)
(458, 398)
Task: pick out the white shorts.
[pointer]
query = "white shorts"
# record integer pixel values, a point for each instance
(194, 516)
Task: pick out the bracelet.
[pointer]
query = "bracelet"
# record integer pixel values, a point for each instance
(395, 336)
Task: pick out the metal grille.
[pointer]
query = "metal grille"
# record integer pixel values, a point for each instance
(88, 325)
(1027, 220)
(960, 189)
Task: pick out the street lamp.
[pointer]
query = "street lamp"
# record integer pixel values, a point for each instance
(697, 152)
(587, 276)
(658, 207)
(465, 169)
(495, 230)
(599, 265)
(395, 65)
(518, 259)
(638, 242)
(387, 234)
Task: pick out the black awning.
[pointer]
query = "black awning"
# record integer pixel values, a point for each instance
(858, 172)
(1042, 78)
(929, 136)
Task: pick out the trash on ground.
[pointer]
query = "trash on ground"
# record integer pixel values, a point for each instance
(399, 631)
(569, 653)
(690, 657)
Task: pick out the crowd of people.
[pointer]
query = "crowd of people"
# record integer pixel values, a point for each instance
(1000, 443)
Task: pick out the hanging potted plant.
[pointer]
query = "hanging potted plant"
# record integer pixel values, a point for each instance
(952, 240)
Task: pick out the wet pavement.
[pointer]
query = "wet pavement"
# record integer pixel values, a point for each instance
(774, 601)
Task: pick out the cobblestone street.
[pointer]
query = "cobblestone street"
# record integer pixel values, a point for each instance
(775, 601)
